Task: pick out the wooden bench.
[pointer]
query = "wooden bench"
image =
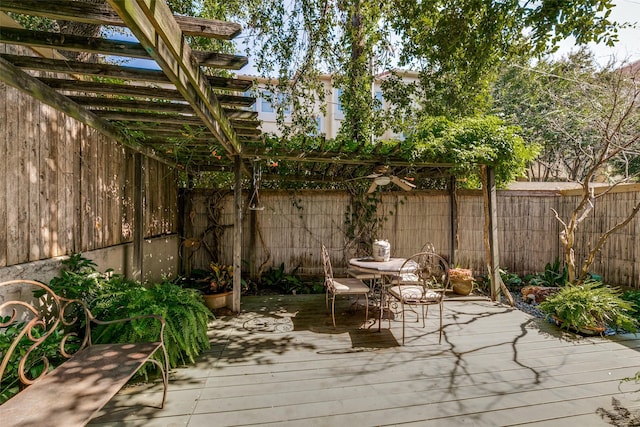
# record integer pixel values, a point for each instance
(72, 393)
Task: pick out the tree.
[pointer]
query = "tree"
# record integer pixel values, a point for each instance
(589, 119)
(616, 118)
(471, 141)
(459, 45)
(548, 102)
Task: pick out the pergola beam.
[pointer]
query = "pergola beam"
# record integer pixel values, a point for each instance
(98, 45)
(338, 158)
(87, 86)
(86, 68)
(102, 14)
(115, 71)
(154, 26)
(22, 81)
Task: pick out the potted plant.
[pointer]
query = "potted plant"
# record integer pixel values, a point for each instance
(461, 280)
(589, 308)
(218, 290)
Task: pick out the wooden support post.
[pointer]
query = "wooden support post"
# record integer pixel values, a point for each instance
(237, 234)
(491, 234)
(453, 204)
(138, 217)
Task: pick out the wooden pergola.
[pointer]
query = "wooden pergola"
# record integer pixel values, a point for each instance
(179, 114)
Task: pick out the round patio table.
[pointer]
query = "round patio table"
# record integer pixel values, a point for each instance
(382, 269)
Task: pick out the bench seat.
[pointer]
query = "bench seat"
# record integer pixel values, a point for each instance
(73, 392)
(76, 390)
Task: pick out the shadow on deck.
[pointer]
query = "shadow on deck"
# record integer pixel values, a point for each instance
(281, 362)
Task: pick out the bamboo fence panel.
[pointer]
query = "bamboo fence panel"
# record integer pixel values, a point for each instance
(295, 224)
(471, 252)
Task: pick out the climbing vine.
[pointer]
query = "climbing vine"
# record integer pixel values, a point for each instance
(362, 221)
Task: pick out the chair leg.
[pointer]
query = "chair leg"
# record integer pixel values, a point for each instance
(425, 313)
(366, 308)
(440, 336)
(403, 320)
(333, 310)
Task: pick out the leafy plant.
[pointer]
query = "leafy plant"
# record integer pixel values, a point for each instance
(511, 280)
(590, 305)
(49, 349)
(112, 296)
(633, 296)
(186, 317)
(554, 275)
(276, 279)
(220, 278)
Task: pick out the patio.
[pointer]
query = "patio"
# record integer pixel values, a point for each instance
(280, 362)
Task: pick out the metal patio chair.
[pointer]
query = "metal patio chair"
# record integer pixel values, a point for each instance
(341, 286)
(423, 281)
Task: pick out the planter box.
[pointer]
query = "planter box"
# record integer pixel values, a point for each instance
(216, 301)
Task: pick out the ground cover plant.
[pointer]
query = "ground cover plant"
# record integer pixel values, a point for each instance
(590, 305)
(575, 307)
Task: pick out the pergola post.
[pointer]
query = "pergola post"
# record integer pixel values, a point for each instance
(494, 258)
(138, 217)
(490, 198)
(237, 234)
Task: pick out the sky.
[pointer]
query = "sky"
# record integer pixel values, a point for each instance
(628, 46)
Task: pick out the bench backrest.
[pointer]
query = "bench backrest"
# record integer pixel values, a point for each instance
(25, 326)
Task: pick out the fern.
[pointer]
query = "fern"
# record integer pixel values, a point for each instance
(112, 297)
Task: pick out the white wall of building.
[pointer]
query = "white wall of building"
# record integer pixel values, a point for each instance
(328, 123)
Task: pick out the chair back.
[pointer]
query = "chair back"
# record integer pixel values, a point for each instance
(326, 264)
(427, 269)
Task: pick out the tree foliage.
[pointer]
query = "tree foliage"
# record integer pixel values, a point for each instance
(459, 45)
(561, 105)
(589, 121)
(471, 141)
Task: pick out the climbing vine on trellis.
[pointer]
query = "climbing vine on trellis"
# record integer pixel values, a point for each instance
(362, 221)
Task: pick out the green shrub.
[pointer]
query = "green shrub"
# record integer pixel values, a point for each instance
(633, 296)
(590, 305)
(277, 280)
(112, 296)
(49, 350)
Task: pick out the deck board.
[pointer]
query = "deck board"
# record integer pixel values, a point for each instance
(496, 366)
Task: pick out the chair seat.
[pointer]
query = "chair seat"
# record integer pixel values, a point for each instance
(349, 285)
(415, 294)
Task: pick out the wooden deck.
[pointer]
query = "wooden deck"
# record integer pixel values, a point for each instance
(281, 363)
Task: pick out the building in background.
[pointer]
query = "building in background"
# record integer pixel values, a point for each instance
(328, 123)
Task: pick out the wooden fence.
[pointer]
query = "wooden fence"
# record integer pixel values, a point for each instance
(293, 225)
(66, 188)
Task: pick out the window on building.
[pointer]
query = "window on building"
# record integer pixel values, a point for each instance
(380, 100)
(286, 108)
(265, 102)
(338, 100)
(339, 112)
